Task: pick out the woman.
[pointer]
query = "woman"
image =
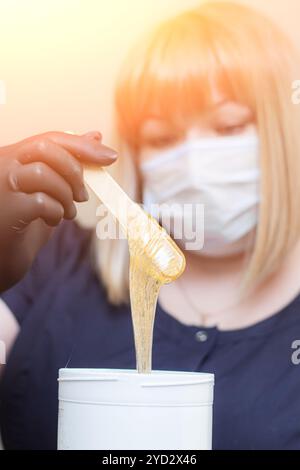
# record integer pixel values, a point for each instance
(205, 115)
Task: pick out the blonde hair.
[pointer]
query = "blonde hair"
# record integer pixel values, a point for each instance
(171, 73)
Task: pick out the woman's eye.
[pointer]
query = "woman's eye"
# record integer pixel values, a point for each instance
(231, 130)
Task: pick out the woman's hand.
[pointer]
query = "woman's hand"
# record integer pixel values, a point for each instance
(40, 178)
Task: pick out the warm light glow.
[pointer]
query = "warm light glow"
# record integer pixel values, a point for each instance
(59, 58)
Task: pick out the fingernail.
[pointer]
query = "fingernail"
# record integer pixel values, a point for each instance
(71, 212)
(108, 152)
(83, 194)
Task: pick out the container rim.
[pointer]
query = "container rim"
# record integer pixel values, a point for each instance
(155, 379)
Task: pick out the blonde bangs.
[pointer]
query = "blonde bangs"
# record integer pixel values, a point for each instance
(173, 75)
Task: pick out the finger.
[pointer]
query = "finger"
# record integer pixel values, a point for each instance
(39, 177)
(85, 148)
(39, 205)
(59, 159)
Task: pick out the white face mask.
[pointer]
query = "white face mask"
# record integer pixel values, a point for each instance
(222, 174)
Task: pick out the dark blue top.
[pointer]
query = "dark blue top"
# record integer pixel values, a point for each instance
(66, 318)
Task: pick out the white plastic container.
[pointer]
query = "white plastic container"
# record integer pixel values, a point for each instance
(120, 409)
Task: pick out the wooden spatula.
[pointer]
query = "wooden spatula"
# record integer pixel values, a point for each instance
(162, 251)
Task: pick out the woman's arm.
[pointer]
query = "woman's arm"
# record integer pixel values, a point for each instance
(9, 330)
